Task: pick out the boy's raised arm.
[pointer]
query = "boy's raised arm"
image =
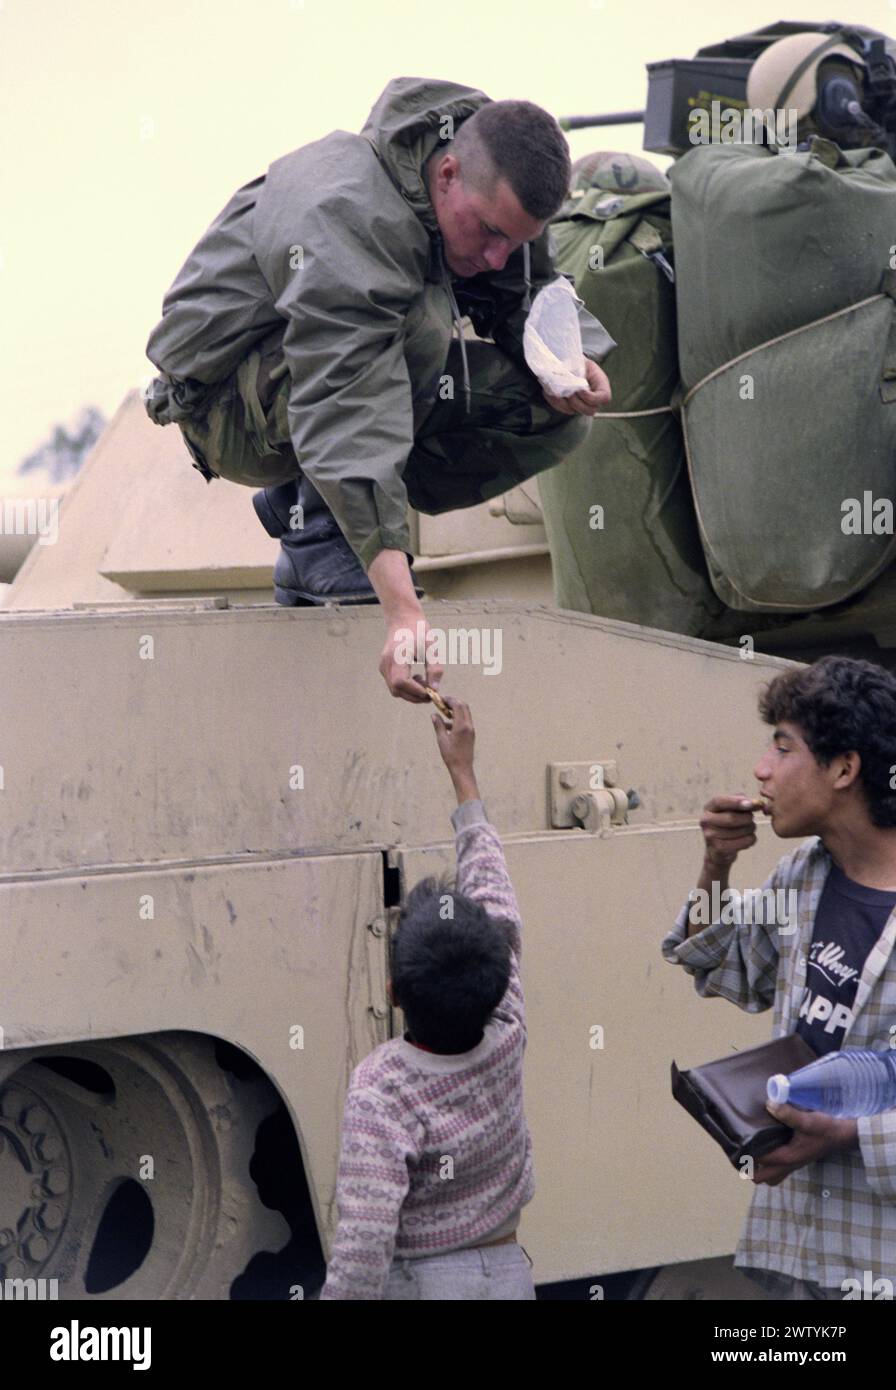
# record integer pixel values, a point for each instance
(481, 868)
(729, 958)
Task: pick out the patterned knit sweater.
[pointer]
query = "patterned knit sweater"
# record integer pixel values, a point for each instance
(436, 1153)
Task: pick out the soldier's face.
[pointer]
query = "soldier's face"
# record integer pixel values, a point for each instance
(479, 230)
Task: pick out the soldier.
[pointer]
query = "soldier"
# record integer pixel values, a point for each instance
(306, 346)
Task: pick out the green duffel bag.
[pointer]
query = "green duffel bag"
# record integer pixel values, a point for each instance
(787, 348)
(618, 513)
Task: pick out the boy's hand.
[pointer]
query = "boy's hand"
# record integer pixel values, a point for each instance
(815, 1136)
(456, 746)
(728, 827)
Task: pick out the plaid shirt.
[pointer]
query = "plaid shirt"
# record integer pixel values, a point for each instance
(836, 1218)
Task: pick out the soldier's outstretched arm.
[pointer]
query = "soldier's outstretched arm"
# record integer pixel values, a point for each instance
(407, 628)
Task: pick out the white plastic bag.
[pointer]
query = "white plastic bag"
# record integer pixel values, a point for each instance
(552, 340)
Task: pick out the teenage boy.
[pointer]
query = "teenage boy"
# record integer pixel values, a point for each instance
(822, 1223)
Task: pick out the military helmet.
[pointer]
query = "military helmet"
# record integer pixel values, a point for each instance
(618, 173)
(785, 74)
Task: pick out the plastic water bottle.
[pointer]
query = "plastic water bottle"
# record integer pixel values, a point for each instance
(851, 1083)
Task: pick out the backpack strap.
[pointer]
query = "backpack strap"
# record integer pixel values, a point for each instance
(888, 367)
(646, 239)
(621, 217)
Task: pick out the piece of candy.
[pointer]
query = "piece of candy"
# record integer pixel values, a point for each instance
(444, 710)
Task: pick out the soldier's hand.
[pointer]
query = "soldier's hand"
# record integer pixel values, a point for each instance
(584, 402)
(728, 827)
(407, 643)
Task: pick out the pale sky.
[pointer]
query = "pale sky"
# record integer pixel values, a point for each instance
(127, 124)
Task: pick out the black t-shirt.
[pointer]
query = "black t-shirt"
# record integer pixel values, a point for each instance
(849, 922)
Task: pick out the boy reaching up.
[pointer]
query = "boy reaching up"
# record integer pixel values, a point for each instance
(436, 1158)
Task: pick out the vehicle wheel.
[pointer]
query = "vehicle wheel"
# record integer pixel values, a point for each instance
(124, 1169)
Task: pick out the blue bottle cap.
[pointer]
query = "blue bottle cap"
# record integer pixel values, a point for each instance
(778, 1089)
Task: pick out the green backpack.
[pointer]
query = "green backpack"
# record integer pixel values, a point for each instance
(787, 347)
(618, 513)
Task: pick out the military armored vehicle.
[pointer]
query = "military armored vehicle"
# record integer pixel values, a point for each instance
(212, 812)
(211, 815)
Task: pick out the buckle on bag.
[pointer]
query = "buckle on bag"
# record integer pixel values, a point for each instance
(198, 458)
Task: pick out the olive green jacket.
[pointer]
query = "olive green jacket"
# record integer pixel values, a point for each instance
(340, 241)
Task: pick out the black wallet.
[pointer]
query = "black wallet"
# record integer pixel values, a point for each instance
(728, 1097)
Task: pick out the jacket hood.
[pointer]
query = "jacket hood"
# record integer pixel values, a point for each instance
(407, 123)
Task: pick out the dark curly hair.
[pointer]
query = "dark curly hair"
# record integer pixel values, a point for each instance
(522, 143)
(450, 966)
(843, 705)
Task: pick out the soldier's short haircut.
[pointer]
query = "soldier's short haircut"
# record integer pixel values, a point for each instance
(520, 142)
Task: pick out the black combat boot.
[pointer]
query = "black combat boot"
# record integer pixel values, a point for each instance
(273, 507)
(316, 564)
